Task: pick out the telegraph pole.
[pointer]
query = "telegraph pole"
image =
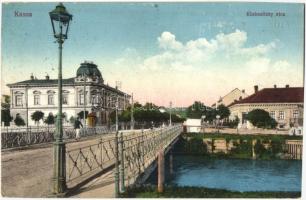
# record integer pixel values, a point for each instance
(170, 113)
(132, 114)
(84, 114)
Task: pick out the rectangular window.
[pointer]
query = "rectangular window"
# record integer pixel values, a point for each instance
(18, 101)
(51, 99)
(272, 114)
(65, 99)
(36, 99)
(81, 99)
(295, 114)
(281, 115)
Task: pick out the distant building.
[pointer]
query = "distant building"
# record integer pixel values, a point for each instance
(229, 98)
(42, 94)
(192, 125)
(285, 105)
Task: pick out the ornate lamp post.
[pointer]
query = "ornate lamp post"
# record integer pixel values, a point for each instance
(60, 20)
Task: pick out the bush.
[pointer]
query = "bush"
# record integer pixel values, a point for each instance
(261, 119)
(37, 115)
(50, 119)
(19, 121)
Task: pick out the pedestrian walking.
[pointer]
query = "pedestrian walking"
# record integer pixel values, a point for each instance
(77, 126)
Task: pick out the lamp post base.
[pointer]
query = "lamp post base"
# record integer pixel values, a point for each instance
(59, 164)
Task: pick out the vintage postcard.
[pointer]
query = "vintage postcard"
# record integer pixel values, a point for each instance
(152, 99)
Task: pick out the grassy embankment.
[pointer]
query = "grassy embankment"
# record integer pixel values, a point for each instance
(200, 192)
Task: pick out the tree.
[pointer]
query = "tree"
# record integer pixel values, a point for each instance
(261, 119)
(81, 114)
(19, 121)
(6, 117)
(223, 111)
(196, 110)
(5, 111)
(72, 120)
(50, 119)
(37, 116)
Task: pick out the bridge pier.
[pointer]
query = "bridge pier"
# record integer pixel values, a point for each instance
(171, 163)
(253, 149)
(161, 171)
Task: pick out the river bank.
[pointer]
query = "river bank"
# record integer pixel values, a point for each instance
(200, 192)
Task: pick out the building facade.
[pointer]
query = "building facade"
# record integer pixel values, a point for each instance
(84, 92)
(285, 105)
(229, 98)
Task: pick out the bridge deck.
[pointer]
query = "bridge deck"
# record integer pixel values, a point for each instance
(28, 173)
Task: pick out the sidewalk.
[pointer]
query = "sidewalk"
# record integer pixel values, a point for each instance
(101, 187)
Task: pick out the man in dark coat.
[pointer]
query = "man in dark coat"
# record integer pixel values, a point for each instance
(77, 126)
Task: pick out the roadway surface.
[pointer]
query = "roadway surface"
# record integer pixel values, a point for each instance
(28, 172)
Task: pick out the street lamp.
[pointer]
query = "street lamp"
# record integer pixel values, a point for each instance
(60, 20)
(203, 118)
(218, 117)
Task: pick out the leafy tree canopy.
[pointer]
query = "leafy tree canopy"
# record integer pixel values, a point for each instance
(261, 119)
(19, 121)
(81, 114)
(37, 115)
(50, 119)
(223, 111)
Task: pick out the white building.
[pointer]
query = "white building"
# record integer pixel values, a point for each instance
(285, 105)
(41, 94)
(192, 125)
(229, 98)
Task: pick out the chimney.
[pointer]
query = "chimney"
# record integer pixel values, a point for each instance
(287, 86)
(256, 88)
(47, 77)
(32, 77)
(275, 86)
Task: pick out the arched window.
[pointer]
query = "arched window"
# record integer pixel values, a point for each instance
(18, 98)
(50, 97)
(36, 97)
(65, 97)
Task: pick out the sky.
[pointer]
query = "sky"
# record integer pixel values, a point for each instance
(161, 52)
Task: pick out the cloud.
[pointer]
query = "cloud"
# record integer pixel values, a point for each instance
(167, 41)
(204, 69)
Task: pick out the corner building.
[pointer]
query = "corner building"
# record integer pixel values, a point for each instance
(42, 94)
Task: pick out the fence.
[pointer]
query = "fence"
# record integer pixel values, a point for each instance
(24, 137)
(138, 150)
(294, 149)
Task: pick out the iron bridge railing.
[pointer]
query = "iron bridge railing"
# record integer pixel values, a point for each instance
(19, 137)
(136, 149)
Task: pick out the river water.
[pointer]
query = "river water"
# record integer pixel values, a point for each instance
(233, 174)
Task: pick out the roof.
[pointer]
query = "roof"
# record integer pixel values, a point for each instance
(42, 82)
(275, 95)
(192, 122)
(89, 69)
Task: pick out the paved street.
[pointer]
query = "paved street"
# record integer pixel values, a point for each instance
(28, 173)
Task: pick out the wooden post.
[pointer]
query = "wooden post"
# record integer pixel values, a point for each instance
(253, 149)
(161, 174)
